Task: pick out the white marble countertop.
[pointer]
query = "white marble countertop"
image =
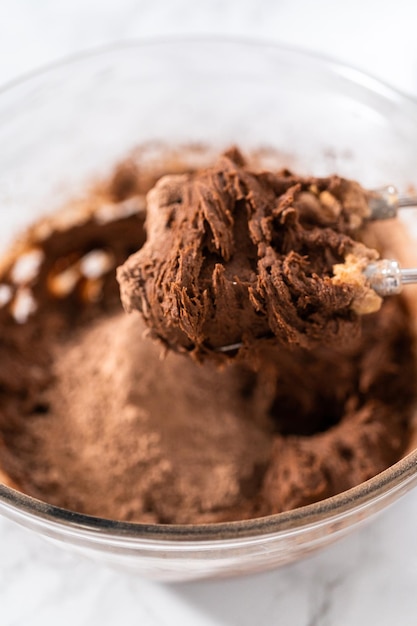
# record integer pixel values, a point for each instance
(368, 578)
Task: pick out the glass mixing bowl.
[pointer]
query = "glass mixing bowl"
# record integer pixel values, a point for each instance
(69, 123)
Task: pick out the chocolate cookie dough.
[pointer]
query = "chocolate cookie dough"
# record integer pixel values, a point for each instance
(96, 418)
(238, 257)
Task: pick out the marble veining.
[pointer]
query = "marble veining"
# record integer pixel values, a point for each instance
(369, 577)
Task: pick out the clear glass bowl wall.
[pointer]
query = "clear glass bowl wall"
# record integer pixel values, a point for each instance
(70, 123)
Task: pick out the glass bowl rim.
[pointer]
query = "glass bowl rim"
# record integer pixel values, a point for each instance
(401, 475)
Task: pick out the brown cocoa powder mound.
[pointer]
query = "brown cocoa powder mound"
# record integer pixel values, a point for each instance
(132, 436)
